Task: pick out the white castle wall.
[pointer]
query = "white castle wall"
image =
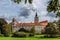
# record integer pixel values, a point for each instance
(14, 29)
(38, 29)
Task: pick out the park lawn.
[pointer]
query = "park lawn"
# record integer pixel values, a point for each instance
(28, 38)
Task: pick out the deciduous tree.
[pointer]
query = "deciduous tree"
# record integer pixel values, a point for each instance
(18, 1)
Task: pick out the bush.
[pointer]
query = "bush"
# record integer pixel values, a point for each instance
(20, 34)
(1, 35)
(23, 30)
(31, 34)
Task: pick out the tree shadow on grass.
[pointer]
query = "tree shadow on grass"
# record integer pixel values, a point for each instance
(44, 37)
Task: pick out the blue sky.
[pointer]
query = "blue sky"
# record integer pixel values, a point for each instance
(25, 12)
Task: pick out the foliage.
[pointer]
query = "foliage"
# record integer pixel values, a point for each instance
(31, 34)
(58, 25)
(30, 1)
(58, 14)
(32, 30)
(24, 33)
(2, 22)
(4, 27)
(51, 30)
(6, 30)
(1, 35)
(18, 1)
(23, 30)
(53, 5)
(20, 34)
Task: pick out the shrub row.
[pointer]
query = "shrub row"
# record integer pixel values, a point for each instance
(22, 34)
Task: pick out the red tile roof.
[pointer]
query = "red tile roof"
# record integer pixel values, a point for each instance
(43, 23)
(25, 24)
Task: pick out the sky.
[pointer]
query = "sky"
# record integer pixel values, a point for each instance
(25, 12)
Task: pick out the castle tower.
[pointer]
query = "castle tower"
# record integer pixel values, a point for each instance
(14, 21)
(36, 19)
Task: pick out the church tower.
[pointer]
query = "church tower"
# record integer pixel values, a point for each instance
(14, 21)
(36, 19)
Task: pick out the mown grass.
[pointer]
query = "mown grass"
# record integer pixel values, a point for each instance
(37, 37)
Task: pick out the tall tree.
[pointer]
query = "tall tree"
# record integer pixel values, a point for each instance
(2, 22)
(18, 1)
(6, 30)
(54, 5)
(4, 27)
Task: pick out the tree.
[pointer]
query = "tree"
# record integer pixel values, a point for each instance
(32, 30)
(23, 30)
(2, 22)
(51, 30)
(4, 27)
(6, 30)
(58, 25)
(54, 6)
(18, 1)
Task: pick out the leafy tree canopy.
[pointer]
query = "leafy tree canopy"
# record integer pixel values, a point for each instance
(54, 5)
(18, 1)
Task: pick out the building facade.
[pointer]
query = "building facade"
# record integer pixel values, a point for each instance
(39, 26)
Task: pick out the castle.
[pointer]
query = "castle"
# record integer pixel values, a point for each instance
(39, 26)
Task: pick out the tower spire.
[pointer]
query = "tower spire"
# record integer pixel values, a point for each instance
(36, 19)
(36, 15)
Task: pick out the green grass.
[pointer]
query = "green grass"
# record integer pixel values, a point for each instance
(28, 38)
